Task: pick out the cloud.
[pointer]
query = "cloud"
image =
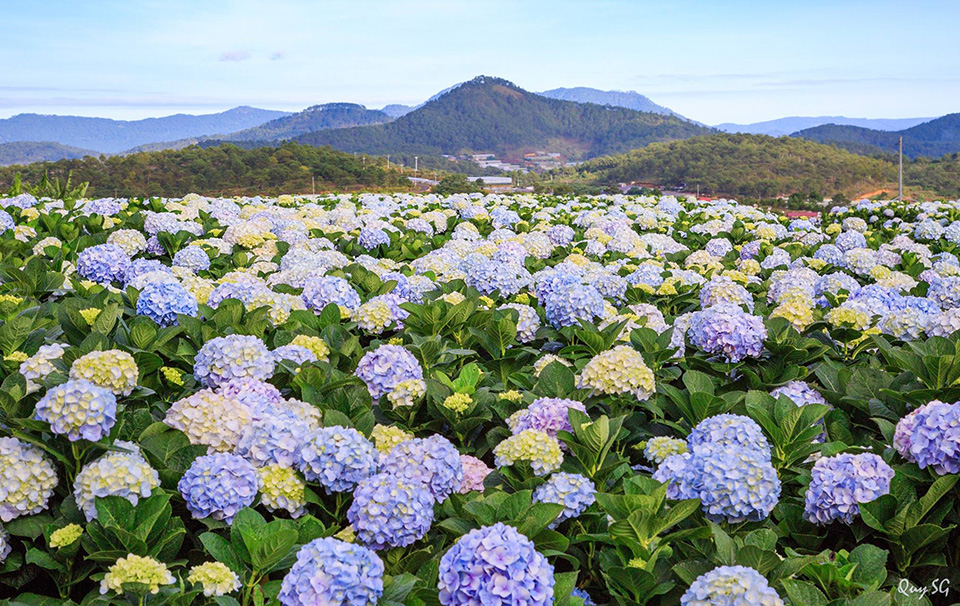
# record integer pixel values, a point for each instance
(234, 55)
(277, 56)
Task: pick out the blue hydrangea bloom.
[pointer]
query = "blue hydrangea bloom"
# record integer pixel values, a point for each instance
(571, 303)
(561, 235)
(549, 415)
(389, 511)
(242, 291)
(273, 440)
(550, 280)
(433, 461)
(337, 458)
(232, 357)
(386, 366)
(839, 484)
(728, 331)
(731, 586)
(647, 274)
(495, 565)
(295, 353)
(6, 222)
(193, 258)
(138, 267)
(930, 437)
(506, 278)
(103, 263)
(583, 595)
(329, 571)
(163, 301)
(729, 430)
(318, 292)
(372, 237)
(218, 486)
(734, 484)
(79, 410)
(574, 491)
(724, 290)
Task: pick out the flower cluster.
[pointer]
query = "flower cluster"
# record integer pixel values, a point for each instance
(840, 483)
(660, 448)
(233, 357)
(114, 369)
(384, 368)
(730, 586)
(104, 264)
(79, 410)
(121, 473)
(618, 370)
(930, 437)
(432, 461)
(282, 489)
(329, 571)
(390, 511)
(218, 486)
(136, 569)
(539, 449)
(549, 415)
(726, 330)
(575, 492)
(210, 418)
(337, 458)
(215, 578)
(27, 479)
(68, 535)
(163, 301)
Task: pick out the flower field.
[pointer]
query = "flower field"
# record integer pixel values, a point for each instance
(478, 401)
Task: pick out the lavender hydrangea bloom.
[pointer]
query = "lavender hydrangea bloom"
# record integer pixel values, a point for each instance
(575, 492)
(318, 292)
(549, 415)
(273, 440)
(506, 278)
(103, 263)
(729, 430)
(218, 486)
(731, 586)
(495, 565)
(232, 357)
(162, 302)
(571, 303)
(433, 461)
(242, 291)
(297, 354)
(6, 222)
(734, 484)
(561, 235)
(389, 511)
(329, 571)
(257, 395)
(930, 437)
(726, 330)
(839, 484)
(338, 458)
(386, 366)
(193, 258)
(372, 237)
(79, 410)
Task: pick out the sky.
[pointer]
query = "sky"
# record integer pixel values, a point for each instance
(713, 61)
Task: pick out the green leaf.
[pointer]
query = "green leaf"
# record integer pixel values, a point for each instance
(802, 593)
(221, 550)
(272, 547)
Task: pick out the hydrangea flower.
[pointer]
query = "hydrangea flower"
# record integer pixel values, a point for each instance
(318, 292)
(162, 301)
(338, 458)
(730, 586)
(390, 511)
(79, 410)
(209, 418)
(658, 449)
(575, 492)
(218, 486)
(930, 437)
(537, 448)
(729, 430)
(840, 483)
(432, 461)
(384, 368)
(136, 569)
(294, 353)
(571, 303)
(115, 474)
(193, 258)
(103, 263)
(475, 472)
(726, 330)
(27, 479)
(372, 237)
(40, 364)
(114, 369)
(282, 489)
(215, 578)
(528, 322)
(549, 415)
(495, 565)
(386, 437)
(5, 547)
(329, 571)
(618, 370)
(233, 357)
(68, 535)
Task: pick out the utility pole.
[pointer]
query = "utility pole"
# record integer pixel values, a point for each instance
(388, 161)
(416, 164)
(698, 191)
(313, 184)
(900, 197)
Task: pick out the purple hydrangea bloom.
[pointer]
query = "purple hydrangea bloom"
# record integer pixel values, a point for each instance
(257, 395)
(232, 357)
(329, 571)
(839, 484)
(103, 263)
(163, 301)
(318, 292)
(372, 237)
(79, 410)
(731, 586)
(337, 458)
(734, 484)
(571, 303)
(575, 492)
(433, 461)
(495, 565)
(930, 437)
(726, 330)
(729, 430)
(218, 486)
(273, 440)
(549, 415)
(193, 258)
(389, 511)
(561, 235)
(386, 366)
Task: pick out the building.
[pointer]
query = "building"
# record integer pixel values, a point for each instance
(494, 183)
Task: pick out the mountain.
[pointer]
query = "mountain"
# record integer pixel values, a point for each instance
(788, 126)
(395, 110)
(493, 115)
(111, 136)
(757, 166)
(628, 99)
(317, 117)
(28, 152)
(930, 139)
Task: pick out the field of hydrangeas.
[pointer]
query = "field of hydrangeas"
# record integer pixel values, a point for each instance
(478, 401)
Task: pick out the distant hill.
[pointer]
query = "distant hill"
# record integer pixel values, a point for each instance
(317, 117)
(930, 139)
(112, 136)
(628, 99)
(493, 115)
(28, 152)
(395, 110)
(788, 126)
(757, 166)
